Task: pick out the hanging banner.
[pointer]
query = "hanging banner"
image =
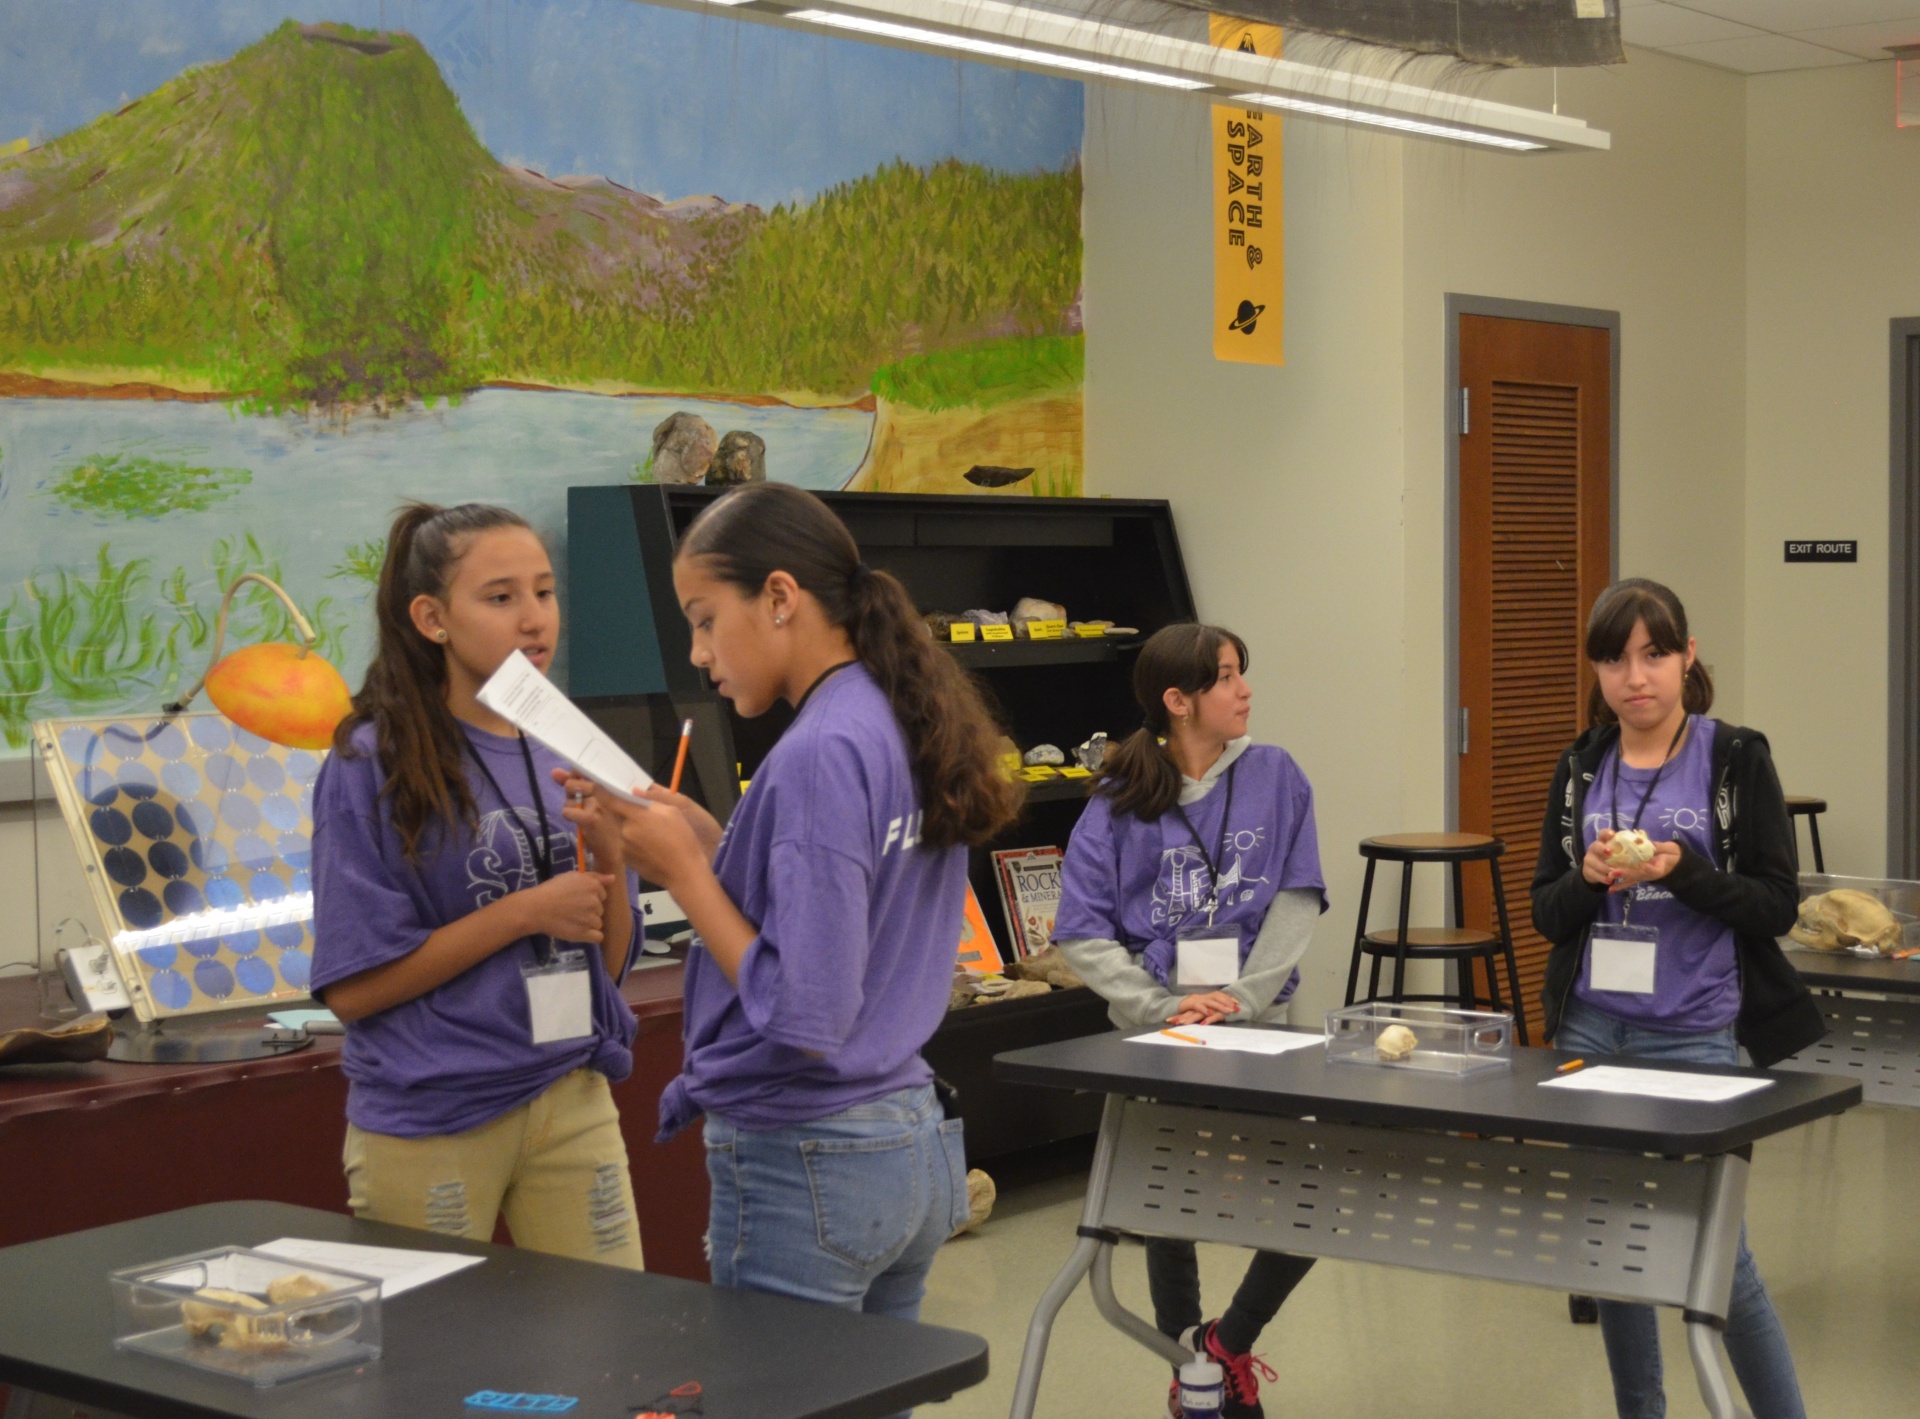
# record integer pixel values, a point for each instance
(1249, 268)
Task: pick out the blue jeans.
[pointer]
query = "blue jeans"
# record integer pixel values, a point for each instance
(847, 1210)
(1756, 1344)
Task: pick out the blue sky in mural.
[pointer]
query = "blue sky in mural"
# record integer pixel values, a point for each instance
(666, 101)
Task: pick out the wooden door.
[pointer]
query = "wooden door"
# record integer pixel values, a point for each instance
(1536, 539)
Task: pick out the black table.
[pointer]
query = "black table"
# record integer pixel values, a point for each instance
(1869, 1038)
(1642, 1200)
(520, 1322)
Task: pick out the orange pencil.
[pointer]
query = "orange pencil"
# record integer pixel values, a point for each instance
(680, 759)
(1190, 1039)
(1570, 1064)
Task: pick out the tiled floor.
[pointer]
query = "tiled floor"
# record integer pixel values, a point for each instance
(1834, 1221)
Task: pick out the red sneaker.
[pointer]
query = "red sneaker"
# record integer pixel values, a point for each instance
(1243, 1375)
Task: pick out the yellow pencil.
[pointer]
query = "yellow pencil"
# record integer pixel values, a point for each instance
(1569, 1065)
(1190, 1039)
(680, 759)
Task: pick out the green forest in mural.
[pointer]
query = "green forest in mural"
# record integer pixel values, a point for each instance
(304, 227)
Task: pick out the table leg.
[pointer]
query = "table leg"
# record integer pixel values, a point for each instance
(1124, 1320)
(1712, 1283)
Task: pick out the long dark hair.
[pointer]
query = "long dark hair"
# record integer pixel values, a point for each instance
(762, 528)
(1139, 775)
(420, 746)
(1615, 613)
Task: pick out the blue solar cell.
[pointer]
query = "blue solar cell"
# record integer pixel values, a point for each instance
(242, 943)
(181, 780)
(210, 856)
(250, 741)
(125, 866)
(81, 745)
(110, 825)
(265, 773)
(255, 976)
(167, 859)
(123, 741)
(214, 979)
(225, 772)
(280, 810)
(212, 733)
(204, 949)
(306, 801)
(170, 989)
(97, 786)
(138, 906)
(182, 898)
(301, 881)
(304, 767)
(296, 968)
(239, 812)
(196, 818)
(158, 957)
(138, 780)
(224, 893)
(167, 741)
(252, 852)
(152, 820)
(295, 849)
(266, 887)
(287, 935)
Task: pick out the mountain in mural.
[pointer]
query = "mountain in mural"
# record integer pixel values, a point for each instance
(314, 222)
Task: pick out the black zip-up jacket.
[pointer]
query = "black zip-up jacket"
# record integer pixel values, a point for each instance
(1758, 893)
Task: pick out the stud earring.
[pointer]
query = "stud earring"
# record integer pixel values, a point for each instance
(440, 635)
(779, 620)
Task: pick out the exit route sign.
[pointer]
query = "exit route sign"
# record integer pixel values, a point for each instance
(1831, 550)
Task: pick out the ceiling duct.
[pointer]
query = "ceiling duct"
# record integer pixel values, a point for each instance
(1528, 34)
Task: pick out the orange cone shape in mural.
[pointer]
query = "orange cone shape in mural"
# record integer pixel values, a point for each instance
(286, 693)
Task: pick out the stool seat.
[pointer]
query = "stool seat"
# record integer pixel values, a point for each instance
(1431, 847)
(1799, 803)
(1433, 941)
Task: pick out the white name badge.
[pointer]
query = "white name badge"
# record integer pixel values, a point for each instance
(1207, 960)
(1621, 959)
(559, 998)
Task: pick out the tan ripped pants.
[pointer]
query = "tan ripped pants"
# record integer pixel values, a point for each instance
(556, 1166)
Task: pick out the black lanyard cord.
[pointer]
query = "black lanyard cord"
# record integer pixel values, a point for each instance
(543, 846)
(1619, 753)
(1226, 828)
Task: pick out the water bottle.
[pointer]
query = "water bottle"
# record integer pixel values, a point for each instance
(1203, 1388)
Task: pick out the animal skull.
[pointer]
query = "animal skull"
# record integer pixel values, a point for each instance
(1395, 1042)
(1844, 918)
(1629, 848)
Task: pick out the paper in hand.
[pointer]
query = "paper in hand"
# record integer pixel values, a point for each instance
(520, 694)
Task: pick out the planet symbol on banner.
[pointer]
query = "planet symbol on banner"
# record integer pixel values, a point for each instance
(1244, 318)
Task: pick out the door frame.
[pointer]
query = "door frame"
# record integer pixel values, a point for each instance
(1903, 609)
(1458, 305)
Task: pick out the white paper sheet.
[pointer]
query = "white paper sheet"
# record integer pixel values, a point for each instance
(1657, 1084)
(1238, 1037)
(529, 701)
(398, 1270)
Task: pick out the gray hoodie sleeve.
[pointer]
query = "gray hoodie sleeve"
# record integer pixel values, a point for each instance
(1134, 998)
(1278, 948)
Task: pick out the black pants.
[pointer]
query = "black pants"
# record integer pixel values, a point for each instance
(1173, 1280)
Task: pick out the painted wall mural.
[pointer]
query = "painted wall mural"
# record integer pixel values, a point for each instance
(264, 274)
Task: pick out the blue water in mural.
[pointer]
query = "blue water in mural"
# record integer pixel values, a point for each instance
(320, 488)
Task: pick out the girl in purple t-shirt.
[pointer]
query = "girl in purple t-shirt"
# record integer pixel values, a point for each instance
(828, 914)
(1674, 957)
(1189, 892)
(475, 967)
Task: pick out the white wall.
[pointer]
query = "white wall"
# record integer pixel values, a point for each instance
(1833, 202)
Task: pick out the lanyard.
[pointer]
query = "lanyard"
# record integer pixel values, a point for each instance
(1213, 863)
(1626, 907)
(543, 846)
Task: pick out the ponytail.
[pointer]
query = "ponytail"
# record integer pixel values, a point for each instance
(1616, 611)
(762, 528)
(1139, 775)
(419, 744)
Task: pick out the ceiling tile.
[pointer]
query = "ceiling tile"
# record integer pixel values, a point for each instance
(1867, 41)
(1657, 26)
(1762, 54)
(1793, 16)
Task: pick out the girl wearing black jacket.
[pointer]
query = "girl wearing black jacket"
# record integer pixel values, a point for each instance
(1673, 957)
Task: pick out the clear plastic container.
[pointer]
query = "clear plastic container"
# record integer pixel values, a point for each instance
(1446, 1041)
(1900, 898)
(278, 1320)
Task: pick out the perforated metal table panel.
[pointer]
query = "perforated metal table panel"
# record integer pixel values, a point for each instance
(1642, 1200)
(1874, 1042)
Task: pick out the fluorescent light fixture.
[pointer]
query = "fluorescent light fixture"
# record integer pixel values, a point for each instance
(992, 49)
(1388, 120)
(289, 910)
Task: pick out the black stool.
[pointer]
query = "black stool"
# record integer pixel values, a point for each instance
(1810, 809)
(1459, 943)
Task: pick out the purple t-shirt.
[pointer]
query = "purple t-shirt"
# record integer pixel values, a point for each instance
(1696, 977)
(463, 1053)
(1146, 884)
(859, 925)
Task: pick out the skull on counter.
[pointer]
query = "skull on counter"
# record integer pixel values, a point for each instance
(1842, 919)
